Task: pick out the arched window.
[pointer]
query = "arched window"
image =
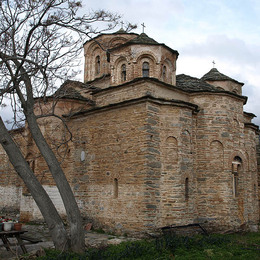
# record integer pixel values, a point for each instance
(164, 70)
(236, 170)
(97, 64)
(123, 72)
(145, 69)
(186, 188)
(115, 188)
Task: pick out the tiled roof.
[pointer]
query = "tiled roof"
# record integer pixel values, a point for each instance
(215, 75)
(192, 84)
(143, 39)
(67, 90)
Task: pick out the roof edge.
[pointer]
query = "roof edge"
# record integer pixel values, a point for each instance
(145, 98)
(101, 34)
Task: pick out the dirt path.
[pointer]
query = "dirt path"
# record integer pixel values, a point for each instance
(92, 239)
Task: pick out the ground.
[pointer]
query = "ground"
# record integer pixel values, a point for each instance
(92, 239)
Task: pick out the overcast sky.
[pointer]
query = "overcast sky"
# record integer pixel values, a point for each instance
(226, 31)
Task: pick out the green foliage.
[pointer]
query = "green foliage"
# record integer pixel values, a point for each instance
(99, 230)
(215, 247)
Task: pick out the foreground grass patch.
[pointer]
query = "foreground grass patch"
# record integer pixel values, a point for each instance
(235, 246)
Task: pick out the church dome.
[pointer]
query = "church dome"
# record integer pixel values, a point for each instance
(215, 75)
(143, 39)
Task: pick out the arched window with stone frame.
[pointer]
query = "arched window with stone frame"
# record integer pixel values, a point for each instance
(97, 65)
(170, 153)
(145, 69)
(147, 65)
(164, 73)
(167, 71)
(123, 73)
(236, 173)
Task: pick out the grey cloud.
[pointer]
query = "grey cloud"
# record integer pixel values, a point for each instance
(225, 48)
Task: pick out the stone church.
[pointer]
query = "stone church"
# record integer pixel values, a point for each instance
(147, 148)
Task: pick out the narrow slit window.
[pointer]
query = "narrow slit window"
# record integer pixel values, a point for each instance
(235, 184)
(115, 188)
(164, 73)
(236, 170)
(145, 69)
(186, 188)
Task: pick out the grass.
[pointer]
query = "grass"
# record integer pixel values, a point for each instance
(213, 247)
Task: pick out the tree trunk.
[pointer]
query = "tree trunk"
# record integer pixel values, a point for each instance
(43, 201)
(70, 204)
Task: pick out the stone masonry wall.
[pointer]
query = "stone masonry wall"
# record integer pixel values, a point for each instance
(106, 166)
(138, 90)
(220, 138)
(145, 164)
(178, 178)
(258, 169)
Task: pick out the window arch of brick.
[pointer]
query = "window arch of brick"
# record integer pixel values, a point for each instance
(145, 69)
(236, 172)
(167, 72)
(116, 42)
(91, 53)
(244, 157)
(171, 152)
(216, 156)
(121, 70)
(235, 91)
(97, 65)
(142, 62)
(164, 73)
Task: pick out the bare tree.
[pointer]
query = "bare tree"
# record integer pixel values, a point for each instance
(40, 42)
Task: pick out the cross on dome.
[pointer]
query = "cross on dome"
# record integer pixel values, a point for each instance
(143, 26)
